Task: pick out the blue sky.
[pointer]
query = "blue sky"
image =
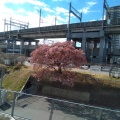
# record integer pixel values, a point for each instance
(28, 11)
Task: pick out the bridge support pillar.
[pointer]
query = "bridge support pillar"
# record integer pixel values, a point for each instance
(36, 43)
(14, 44)
(29, 43)
(83, 44)
(21, 46)
(8, 42)
(101, 50)
(68, 36)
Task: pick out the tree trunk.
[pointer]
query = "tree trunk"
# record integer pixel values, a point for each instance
(59, 70)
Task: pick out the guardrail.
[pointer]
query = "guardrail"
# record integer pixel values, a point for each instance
(33, 107)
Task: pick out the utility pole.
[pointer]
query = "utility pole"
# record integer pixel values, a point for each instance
(105, 7)
(55, 20)
(10, 23)
(103, 13)
(68, 37)
(4, 24)
(75, 13)
(39, 19)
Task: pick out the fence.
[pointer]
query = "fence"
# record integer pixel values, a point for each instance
(24, 106)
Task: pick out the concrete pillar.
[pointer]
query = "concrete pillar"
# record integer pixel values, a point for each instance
(101, 50)
(21, 46)
(29, 43)
(7, 45)
(105, 49)
(68, 36)
(36, 43)
(75, 43)
(84, 44)
(14, 44)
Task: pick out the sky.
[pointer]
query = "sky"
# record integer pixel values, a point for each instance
(28, 11)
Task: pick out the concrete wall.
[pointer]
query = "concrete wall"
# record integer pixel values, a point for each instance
(107, 97)
(67, 94)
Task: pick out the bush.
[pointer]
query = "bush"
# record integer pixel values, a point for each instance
(17, 67)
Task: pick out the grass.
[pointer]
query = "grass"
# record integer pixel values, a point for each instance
(17, 79)
(86, 78)
(99, 79)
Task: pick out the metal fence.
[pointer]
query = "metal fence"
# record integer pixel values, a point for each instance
(24, 106)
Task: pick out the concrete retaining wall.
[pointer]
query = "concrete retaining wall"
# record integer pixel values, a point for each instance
(108, 97)
(68, 94)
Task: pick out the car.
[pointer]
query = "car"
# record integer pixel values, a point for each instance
(85, 67)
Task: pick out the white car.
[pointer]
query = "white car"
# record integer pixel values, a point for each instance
(85, 67)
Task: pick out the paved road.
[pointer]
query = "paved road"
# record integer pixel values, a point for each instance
(39, 108)
(88, 71)
(79, 70)
(36, 108)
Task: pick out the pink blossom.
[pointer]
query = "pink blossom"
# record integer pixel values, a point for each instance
(58, 58)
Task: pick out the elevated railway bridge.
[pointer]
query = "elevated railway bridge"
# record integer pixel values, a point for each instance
(60, 31)
(95, 38)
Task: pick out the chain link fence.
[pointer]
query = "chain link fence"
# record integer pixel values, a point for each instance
(24, 106)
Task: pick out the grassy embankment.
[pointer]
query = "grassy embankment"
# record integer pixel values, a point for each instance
(15, 80)
(98, 79)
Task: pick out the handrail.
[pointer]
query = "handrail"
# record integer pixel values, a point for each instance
(59, 100)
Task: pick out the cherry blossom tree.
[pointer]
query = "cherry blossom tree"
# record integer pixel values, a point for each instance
(56, 60)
